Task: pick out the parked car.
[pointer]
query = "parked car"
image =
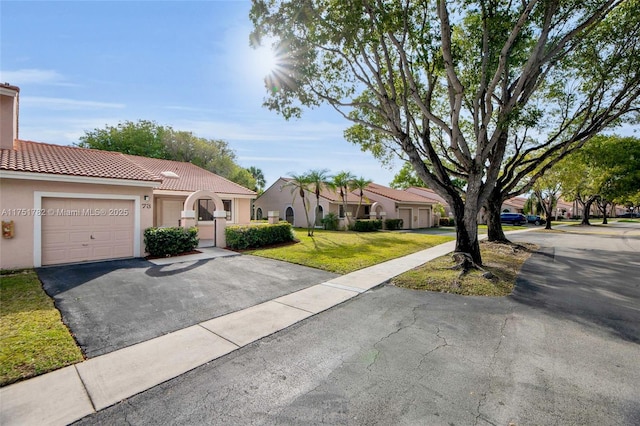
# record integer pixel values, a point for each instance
(513, 218)
(535, 219)
(629, 215)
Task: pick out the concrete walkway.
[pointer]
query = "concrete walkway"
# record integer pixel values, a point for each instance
(71, 393)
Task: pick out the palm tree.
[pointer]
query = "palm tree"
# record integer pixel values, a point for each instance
(317, 180)
(299, 186)
(342, 181)
(360, 184)
(259, 177)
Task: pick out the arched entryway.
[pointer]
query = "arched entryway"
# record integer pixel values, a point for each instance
(219, 222)
(259, 214)
(289, 215)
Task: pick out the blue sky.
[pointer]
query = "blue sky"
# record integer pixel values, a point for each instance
(84, 64)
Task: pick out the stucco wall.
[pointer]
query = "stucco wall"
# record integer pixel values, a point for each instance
(17, 204)
(243, 211)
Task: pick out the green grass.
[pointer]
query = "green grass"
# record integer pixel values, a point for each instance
(628, 220)
(502, 260)
(482, 229)
(343, 252)
(33, 339)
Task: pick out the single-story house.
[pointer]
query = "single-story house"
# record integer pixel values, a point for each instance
(513, 205)
(280, 198)
(62, 204)
(415, 210)
(432, 195)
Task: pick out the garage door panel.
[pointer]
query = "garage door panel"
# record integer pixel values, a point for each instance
(79, 236)
(83, 230)
(101, 236)
(102, 220)
(79, 221)
(123, 235)
(55, 238)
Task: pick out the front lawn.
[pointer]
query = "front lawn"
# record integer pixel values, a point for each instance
(33, 339)
(343, 252)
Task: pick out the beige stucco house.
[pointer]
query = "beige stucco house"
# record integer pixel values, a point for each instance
(62, 204)
(415, 210)
(279, 198)
(432, 195)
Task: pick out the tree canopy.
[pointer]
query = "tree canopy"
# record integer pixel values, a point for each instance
(149, 139)
(606, 169)
(491, 92)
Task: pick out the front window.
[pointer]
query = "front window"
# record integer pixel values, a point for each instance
(206, 207)
(227, 208)
(205, 210)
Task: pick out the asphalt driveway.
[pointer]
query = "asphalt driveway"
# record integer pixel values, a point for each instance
(398, 356)
(111, 305)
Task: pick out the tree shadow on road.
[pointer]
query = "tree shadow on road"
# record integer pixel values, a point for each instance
(592, 287)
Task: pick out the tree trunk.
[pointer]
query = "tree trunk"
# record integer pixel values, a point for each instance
(548, 211)
(603, 209)
(587, 211)
(466, 216)
(494, 226)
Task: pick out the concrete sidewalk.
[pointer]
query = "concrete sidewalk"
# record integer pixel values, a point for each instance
(66, 395)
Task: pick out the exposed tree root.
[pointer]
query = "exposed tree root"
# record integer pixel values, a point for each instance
(465, 264)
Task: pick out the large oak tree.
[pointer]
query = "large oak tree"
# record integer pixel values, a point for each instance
(491, 92)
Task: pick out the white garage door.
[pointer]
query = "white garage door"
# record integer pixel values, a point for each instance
(81, 230)
(405, 215)
(424, 218)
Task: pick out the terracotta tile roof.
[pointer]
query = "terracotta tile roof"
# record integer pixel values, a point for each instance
(428, 193)
(397, 195)
(190, 177)
(517, 202)
(38, 157)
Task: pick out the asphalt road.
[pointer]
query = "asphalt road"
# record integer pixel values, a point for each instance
(562, 350)
(112, 305)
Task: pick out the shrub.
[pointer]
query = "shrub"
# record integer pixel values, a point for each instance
(242, 237)
(170, 241)
(330, 222)
(368, 225)
(444, 221)
(393, 224)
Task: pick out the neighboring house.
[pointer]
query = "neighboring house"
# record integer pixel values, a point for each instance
(279, 197)
(513, 205)
(415, 210)
(62, 204)
(432, 195)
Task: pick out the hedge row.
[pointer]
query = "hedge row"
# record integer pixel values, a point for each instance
(242, 237)
(170, 241)
(369, 225)
(393, 224)
(447, 221)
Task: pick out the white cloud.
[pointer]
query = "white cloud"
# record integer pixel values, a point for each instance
(280, 132)
(66, 104)
(33, 76)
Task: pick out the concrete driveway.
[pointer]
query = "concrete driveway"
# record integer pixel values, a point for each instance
(403, 357)
(111, 305)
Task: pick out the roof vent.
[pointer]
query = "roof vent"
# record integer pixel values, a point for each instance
(170, 175)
